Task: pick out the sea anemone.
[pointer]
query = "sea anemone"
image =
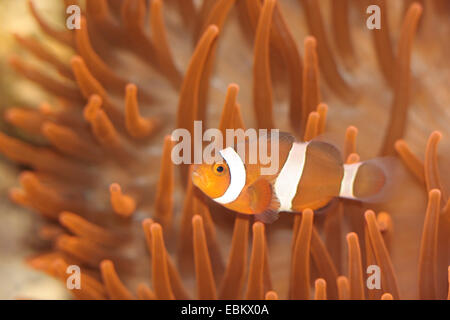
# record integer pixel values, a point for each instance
(93, 166)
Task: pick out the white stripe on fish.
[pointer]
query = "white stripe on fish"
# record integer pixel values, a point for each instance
(287, 181)
(348, 180)
(237, 176)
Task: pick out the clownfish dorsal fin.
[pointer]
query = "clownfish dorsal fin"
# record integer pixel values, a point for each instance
(282, 137)
(263, 201)
(285, 136)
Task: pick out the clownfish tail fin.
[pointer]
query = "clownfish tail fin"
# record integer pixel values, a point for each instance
(369, 181)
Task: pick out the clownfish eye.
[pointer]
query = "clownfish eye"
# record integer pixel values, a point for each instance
(219, 169)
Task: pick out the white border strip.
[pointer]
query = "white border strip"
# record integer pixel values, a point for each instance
(287, 181)
(348, 180)
(237, 176)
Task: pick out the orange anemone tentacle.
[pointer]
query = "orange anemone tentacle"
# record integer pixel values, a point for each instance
(320, 290)
(411, 161)
(432, 176)
(159, 37)
(343, 288)
(324, 264)
(137, 126)
(300, 273)
(114, 286)
(355, 267)
(122, 204)
(340, 19)
(382, 255)
(271, 295)
(402, 83)
(428, 248)
(350, 141)
(383, 45)
(312, 126)
(63, 36)
(145, 293)
(326, 59)
(311, 82)
(262, 86)
(255, 286)
(206, 287)
(163, 204)
(160, 275)
(233, 278)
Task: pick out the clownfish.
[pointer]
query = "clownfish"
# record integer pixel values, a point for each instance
(309, 175)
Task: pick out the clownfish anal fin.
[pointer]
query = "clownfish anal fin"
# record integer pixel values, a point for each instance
(329, 206)
(269, 216)
(263, 201)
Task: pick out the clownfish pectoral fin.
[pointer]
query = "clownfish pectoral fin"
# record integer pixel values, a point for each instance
(260, 195)
(263, 201)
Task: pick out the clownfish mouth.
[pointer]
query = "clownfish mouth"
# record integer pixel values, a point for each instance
(196, 175)
(199, 180)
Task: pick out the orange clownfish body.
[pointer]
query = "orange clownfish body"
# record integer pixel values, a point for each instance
(309, 175)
